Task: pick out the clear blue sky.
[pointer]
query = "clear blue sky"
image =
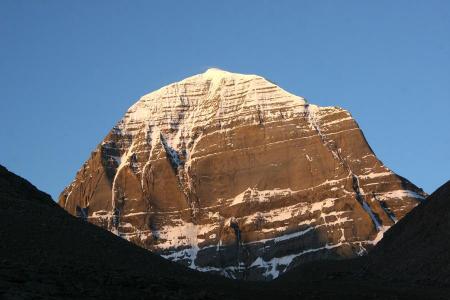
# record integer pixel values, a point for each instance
(70, 69)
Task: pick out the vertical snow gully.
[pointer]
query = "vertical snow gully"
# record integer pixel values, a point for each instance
(117, 211)
(360, 197)
(385, 208)
(177, 162)
(359, 193)
(172, 155)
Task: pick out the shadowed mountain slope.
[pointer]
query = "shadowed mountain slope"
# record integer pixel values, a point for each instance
(45, 253)
(417, 248)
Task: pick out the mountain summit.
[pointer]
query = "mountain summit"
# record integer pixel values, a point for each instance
(229, 173)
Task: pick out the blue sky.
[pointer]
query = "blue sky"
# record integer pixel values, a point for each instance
(70, 69)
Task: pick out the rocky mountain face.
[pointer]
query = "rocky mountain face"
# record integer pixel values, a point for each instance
(229, 173)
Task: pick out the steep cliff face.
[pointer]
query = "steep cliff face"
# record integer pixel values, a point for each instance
(229, 173)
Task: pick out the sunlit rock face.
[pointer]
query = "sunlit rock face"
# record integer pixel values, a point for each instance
(229, 173)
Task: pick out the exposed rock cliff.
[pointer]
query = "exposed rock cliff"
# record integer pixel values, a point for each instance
(231, 174)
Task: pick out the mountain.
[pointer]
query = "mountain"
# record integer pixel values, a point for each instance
(230, 174)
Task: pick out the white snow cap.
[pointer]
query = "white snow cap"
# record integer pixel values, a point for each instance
(215, 96)
(216, 72)
(216, 75)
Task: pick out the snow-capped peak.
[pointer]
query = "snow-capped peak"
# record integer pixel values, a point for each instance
(221, 159)
(210, 97)
(216, 76)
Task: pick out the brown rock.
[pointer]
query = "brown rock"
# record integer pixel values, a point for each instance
(228, 173)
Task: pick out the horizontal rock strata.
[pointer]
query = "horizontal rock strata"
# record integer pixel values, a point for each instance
(229, 173)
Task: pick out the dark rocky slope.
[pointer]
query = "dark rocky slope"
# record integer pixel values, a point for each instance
(417, 248)
(45, 253)
(14, 188)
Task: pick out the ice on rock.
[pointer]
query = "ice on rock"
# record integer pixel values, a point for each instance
(231, 174)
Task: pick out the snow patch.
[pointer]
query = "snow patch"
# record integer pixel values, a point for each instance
(252, 194)
(401, 194)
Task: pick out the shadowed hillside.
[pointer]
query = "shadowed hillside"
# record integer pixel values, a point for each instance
(417, 248)
(46, 253)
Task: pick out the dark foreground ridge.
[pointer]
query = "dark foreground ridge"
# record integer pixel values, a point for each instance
(45, 253)
(417, 249)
